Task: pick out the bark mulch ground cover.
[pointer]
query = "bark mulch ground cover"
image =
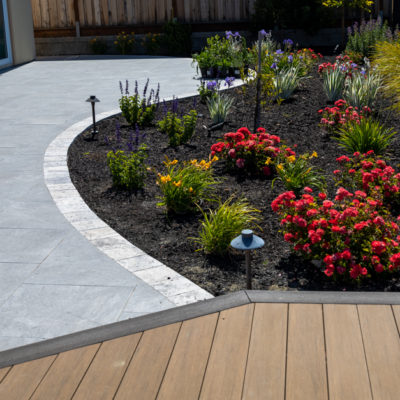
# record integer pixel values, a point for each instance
(137, 217)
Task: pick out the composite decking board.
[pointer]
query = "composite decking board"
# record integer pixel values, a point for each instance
(265, 372)
(227, 363)
(382, 350)
(306, 366)
(346, 364)
(3, 373)
(23, 379)
(185, 371)
(147, 368)
(66, 372)
(107, 369)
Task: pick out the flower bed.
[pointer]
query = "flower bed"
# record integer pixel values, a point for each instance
(297, 125)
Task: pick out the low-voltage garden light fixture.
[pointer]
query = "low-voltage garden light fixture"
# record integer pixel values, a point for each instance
(93, 100)
(247, 241)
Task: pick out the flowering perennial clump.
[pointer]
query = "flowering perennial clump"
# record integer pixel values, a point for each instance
(342, 113)
(353, 234)
(256, 153)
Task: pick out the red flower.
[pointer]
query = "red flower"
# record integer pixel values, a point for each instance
(378, 247)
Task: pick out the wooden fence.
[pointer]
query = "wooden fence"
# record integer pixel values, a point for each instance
(54, 14)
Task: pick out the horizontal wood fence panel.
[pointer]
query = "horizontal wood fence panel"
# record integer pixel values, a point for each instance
(53, 14)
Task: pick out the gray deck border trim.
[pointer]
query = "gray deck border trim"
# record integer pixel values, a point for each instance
(184, 313)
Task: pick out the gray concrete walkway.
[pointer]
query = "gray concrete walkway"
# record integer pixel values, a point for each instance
(52, 280)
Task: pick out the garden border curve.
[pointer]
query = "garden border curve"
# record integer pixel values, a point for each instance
(175, 287)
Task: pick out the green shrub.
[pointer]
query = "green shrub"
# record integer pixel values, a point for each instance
(224, 224)
(128, 169)
(98, 45)
(364, 136)
(125, 42)
(386, 60)
(362, 89)
(177, 38)
(219, 107)
(186, 184)
(139, 110)
(297, 173)
(179, 130)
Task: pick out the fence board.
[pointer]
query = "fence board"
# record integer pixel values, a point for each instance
(51, 14)
(36, 14)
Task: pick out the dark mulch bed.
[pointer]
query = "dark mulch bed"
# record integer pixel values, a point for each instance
(137, 217)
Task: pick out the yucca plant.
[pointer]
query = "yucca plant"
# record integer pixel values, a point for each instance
(366, 135)
(362, 90)
(285, 82)
(334, 82)
(224, 224)
(386, 60)
(219, 107)
(297, 173)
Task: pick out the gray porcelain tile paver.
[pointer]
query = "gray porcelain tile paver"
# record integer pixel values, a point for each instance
(53, 280)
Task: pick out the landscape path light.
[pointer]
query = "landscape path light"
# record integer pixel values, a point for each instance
(93, 100)
(247, 241)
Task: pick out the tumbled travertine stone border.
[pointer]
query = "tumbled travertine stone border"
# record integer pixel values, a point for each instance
(176, 288)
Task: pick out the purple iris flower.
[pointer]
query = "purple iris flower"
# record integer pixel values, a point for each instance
(228, 34)
(279, 51)
(263, 33)
(212, 85)
(274, 66)
(353, 65)
(290, 58)
(229, 81)
(363, 71)
(288, 42)
(236, 35)
(343, 68)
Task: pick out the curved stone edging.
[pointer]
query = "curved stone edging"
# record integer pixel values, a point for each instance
(175, 287)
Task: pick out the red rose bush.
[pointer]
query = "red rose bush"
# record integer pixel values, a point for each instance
(256, 153)
(353, 234)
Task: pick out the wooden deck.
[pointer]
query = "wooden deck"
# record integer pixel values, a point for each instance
(253, 351)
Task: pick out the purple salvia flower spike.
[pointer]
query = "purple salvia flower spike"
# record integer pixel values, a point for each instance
(121, 88)
(127, 87)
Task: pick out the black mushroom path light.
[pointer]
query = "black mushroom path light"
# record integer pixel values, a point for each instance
(93, 100)
(247, 241)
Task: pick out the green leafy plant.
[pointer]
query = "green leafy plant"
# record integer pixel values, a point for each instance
(224, 224)
(179, 130)
(297, 173)
(128, 169)
(362, 89)
(186, 184)
(139, 110)
(386, 60)
(125, 42)
(177, 37)
(207, 90)
(334, 81)
(364, 135)
(219, 107)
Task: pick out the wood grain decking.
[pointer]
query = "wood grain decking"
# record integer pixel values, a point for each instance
(254, 351)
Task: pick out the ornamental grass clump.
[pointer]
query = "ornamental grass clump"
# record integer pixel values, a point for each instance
(286, 81)
(334, 81)
(354, 234)
(253, 153)
(128, 168)
(364, 135)
(179, 130)
(139, 110)
(186, 185)
(297, 173)
(219, 107)
(362, 89)
(386, 60)
(222, 225)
